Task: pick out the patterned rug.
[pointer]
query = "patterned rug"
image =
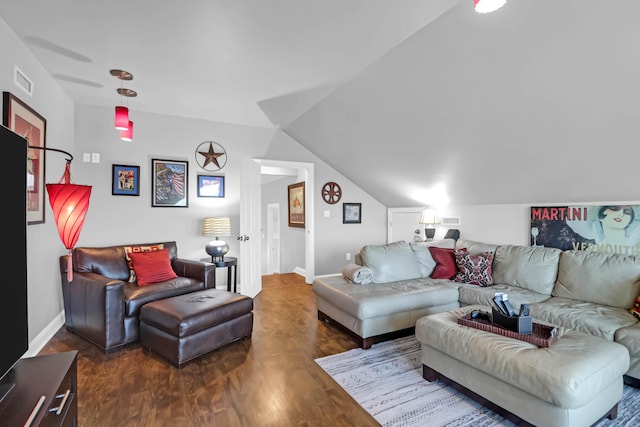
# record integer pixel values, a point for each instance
(386, 380)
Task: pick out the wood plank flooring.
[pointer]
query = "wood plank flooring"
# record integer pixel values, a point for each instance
(269, 380)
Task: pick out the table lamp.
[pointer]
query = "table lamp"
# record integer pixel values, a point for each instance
(218, 227)
(429, 218)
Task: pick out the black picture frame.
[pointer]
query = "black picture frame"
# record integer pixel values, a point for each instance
(352, 213)
(125, 180)
(210, 186)
(169, 183)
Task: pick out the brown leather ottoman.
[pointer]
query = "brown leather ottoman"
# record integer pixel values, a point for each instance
(184, 327)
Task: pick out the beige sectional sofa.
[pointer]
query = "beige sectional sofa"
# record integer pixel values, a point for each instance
(590, 292)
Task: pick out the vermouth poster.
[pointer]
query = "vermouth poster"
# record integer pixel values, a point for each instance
(608, 228)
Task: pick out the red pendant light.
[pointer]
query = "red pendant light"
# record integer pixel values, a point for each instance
(127, 135)
(69, 203)
(122, 118)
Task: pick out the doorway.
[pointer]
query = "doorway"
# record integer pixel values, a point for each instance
(273, 238)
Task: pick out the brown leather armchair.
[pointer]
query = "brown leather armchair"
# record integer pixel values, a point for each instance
(103, 307)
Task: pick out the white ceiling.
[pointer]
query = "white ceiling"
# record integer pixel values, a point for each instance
(404, 98)
(215, 60)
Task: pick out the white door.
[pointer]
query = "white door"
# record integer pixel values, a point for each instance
(403, 223)
(273, 238)
(249, 261)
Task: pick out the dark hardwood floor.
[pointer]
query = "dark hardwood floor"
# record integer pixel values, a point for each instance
(269, 380)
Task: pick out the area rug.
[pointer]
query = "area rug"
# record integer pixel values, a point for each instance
(386, 380)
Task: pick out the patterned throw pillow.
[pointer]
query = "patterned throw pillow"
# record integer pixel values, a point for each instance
(152, 267)
(135, 249)
(635, 310)
(445, 263)
(473, 269)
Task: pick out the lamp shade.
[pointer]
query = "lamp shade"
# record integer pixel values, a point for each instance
(122, 118)
(429, 216)
(127, 135)
(218, 227)
(69, 203)
(486, 6)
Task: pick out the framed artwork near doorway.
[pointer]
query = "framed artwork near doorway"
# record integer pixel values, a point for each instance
(296, 205)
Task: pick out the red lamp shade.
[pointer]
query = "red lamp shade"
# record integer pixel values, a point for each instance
(69, 203)
(122, 118)
(127, 135)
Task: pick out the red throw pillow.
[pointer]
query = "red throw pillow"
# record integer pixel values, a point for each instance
(635, 310)
(445, 263)
(473, 269)
(152, 267)
(130, 249)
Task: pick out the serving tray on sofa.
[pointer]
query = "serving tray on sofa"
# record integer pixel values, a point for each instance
(542, 335)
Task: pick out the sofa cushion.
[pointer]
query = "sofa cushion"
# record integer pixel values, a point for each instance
(471, 294)
(390, 262)
(383, 299)
(135, 249)
(426, 263)
(136, 296)
(445, 263)
(529, 267)
(591, 318)
(473, 269)
(598, 277)
(152, 267)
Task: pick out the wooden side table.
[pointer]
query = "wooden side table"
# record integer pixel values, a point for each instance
(230, 263)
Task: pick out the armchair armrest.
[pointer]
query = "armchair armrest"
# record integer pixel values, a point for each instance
(94, 307)
(198, 270)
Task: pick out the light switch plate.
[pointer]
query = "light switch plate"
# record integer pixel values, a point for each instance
(95, 157)
(86, 157)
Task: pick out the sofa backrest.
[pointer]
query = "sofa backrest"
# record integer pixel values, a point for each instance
(529, 267)
(475, 248)
(110, 261)
(598, 277)
(391, 262)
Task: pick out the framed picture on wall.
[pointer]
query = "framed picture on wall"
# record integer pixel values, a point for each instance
(296, 205)
(169, 183)
(210, 186)
(27, 123)
(351, 213)
(125, 180)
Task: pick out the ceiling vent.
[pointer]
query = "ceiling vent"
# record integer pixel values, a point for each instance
(22, 81)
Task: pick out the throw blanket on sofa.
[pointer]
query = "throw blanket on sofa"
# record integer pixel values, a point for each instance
(357, 274)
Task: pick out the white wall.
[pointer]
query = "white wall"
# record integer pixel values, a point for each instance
(43, 273)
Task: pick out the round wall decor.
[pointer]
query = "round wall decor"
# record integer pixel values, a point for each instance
(331, 193)
(211, 156)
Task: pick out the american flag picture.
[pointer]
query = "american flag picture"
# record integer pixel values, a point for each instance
(170, 183)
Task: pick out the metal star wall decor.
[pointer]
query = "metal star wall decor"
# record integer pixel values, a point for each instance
(211, 156)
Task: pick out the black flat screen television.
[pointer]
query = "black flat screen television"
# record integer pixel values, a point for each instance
(14, 333)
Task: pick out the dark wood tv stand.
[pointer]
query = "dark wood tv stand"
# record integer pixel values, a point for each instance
(45, 392)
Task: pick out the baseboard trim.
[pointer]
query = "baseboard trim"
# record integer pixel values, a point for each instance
(45, 335)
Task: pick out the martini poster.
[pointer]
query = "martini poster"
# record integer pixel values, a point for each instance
(606, 228)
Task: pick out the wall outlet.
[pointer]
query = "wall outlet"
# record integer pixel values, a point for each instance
(348, 256)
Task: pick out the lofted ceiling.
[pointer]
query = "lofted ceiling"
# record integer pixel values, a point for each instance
(215, 60)
(417, 102)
